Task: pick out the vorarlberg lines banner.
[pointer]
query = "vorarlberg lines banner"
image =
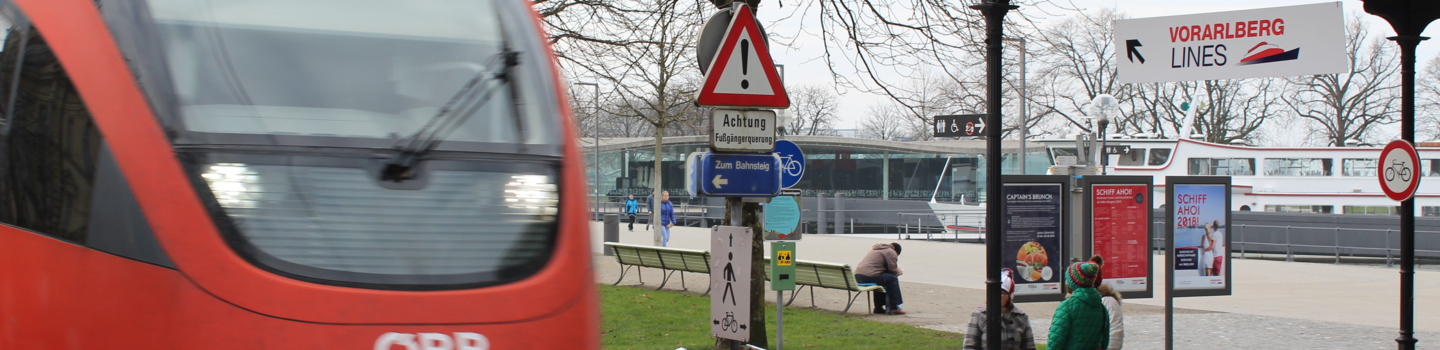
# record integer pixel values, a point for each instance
(1270, 42)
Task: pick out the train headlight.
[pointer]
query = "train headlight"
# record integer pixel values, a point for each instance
(535, 193)
(233, 185)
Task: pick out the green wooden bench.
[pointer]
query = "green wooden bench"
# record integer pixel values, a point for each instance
(821, 274)
(669, 260)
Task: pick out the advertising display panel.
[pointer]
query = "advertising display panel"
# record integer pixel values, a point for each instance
(1119, 218)
(1033, 225)
(1198, 227)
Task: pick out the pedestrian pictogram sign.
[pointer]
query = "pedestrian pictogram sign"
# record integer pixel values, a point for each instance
(742, 74)
(730, 282)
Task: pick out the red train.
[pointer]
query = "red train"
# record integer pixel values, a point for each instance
(283, 174)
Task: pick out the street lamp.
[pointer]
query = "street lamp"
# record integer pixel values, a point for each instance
(1409, 19)
(1104, 106)
(596, 166)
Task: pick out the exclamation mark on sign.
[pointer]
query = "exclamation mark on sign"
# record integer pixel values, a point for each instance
(744, 62)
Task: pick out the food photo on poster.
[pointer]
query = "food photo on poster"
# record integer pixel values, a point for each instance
(1032, 223)
(1120, 224)
(1200, 228)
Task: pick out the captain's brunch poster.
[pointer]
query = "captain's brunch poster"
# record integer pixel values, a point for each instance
(1200, 229)
(1032, 224)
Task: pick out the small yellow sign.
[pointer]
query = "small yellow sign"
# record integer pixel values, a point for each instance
(785, 257)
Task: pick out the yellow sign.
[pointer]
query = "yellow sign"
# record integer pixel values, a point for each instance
(785, 257)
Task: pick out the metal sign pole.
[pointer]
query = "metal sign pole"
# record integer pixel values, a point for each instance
(779, 320)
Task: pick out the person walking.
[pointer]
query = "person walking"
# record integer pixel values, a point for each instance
(1015, 329)
(650, 208)
(1111, 299)
(1080, 322)
(632, 206)
(881, 266)
(667, 218)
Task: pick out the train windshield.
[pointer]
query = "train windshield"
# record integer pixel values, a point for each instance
(286, 111)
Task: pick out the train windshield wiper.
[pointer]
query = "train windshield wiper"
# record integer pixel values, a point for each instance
(474, 95)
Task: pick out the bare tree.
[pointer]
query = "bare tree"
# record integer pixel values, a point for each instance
(883, 122)
(1077, 63)
(652, 75)
(1350, 105)
(814, 109)
(1427, 100)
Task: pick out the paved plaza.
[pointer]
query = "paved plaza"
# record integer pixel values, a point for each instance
(1276, 304)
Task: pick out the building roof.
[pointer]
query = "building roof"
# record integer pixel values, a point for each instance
(937, 147)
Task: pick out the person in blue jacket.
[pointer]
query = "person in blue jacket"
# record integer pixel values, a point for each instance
(632, 206)
(667, 218)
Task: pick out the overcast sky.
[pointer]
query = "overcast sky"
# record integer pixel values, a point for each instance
(805, 65)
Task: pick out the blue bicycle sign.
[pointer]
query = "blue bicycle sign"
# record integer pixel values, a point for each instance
(792, 162)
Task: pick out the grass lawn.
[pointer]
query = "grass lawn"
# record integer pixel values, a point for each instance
(637, 318)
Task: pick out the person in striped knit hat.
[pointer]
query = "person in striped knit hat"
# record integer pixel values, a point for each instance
(1081, 321)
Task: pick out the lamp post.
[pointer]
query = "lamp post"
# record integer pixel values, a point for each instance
(994, 11)
(1408, 18)
(1104, 105)
(596, 166)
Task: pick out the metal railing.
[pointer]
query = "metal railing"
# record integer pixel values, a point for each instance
(906, 230)
(1313, 241)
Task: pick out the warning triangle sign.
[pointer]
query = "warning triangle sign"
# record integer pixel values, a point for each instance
(742, 74)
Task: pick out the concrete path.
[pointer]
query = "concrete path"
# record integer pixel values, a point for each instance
(943, 282)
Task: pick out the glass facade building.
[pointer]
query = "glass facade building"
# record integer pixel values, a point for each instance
(952, 171)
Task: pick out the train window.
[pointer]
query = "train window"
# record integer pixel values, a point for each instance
(47, 169)
(380, 72)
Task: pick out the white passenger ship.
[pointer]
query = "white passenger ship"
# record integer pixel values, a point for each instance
(1339, 180)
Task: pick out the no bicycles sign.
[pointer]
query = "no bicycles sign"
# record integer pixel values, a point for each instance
(1398, 170)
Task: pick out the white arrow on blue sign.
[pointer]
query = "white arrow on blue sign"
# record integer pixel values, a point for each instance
(737, 175)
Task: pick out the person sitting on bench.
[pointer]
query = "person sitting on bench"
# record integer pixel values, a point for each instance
(880, 266)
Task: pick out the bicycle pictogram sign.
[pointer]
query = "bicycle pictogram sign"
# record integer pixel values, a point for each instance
(1398, 174)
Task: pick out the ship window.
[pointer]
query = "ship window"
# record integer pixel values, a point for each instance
(1222, 166)
(1159, 156)
(1430, 211)
(1372, 210)
(1136, 156)
(1061, 152)
(1309, 209)
(1430, 167)
(1358, 166)
(1298, 166)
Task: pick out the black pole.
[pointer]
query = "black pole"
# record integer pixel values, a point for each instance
(994, 11)
(1407, 207)
(1104, 155)
(1409, 18)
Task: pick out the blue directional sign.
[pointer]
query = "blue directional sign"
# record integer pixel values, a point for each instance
(738, 175)
(792, 163)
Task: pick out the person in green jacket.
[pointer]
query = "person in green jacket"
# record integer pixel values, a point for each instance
(1080, 322)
